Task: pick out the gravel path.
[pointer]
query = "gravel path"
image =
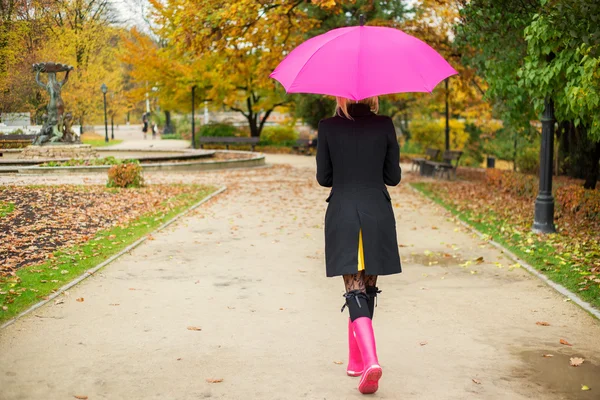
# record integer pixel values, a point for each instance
(247, 269)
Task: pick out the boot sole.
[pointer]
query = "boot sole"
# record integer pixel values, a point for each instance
(369, 382)
(354, 373)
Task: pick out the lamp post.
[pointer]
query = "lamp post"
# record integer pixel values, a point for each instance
(447, 119)
(544, 203)
(193, 119)
(104, 90)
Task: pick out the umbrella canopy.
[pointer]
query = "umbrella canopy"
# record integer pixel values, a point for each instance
(362, 61)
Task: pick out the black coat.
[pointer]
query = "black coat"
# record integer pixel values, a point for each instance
(357, 159)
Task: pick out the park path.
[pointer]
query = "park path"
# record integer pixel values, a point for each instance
(247, 268)
(133, 138)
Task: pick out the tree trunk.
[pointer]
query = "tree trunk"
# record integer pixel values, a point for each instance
(578, 154)
(592, 175)
(168, 126)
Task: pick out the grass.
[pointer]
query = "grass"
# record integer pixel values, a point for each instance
(6, 208)
(36, 282)
(101, 142)
(97, 140)
(539, 254)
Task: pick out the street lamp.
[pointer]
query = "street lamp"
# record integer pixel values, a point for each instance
(447, 118)
(544, 203)
(112, 117)
(104, 90)
(193, 118)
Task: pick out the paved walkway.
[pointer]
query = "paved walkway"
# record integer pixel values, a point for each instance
(133, 138)
(247, 268)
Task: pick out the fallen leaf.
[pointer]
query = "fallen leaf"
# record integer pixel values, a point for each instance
(423, 343)
(81, 396)
(79, 299)
(547, 355)
(542, 323)
(150, 237)
(59, 301)
(213, 380)
(194, 328)
(338, 362)
(576, 361)
(584, 387)
(179, 359)
(477, 381)
(479, 260)
(114, 304)
(4, 308)
(563, 341)
(281, 308)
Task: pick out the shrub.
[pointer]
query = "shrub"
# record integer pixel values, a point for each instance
(183, 129)
(16, 132)
(218, 130)
(76, 162)
(512, 182)
(570, 198)
(411, 147)
(528, 161)
(576, 200)
(125, 176)
(430, 133)
(278, 135)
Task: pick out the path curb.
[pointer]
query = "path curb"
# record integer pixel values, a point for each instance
(112, 258)
(558, 287)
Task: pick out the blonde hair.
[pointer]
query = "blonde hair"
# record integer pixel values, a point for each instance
(342, 105)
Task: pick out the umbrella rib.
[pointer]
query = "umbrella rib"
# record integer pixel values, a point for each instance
(360, 31)
(314, 53)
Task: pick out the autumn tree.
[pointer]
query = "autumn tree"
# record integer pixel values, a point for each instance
(76, 32)
(237, 45)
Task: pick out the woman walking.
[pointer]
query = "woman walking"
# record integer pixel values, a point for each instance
(357, 156)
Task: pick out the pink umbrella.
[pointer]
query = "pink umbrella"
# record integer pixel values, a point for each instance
(362, 61)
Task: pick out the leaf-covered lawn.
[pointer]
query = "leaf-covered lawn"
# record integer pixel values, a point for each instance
(54, 233)
(570, 257)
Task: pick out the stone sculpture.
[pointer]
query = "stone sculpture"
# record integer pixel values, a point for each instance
(57, 124)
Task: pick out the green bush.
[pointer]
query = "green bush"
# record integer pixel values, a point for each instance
(183, 129)
(411, 147)
(125, 176)
(17, 132)
(278, 135)
(528, 160)
(89, 162)
(218, 130)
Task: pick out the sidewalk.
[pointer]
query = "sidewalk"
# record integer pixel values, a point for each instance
(247, 268)
(133, 138)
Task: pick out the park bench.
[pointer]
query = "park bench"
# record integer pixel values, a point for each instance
(446, 166)
(430, 155)
(305, 145)
(228, 140)
(15, 141)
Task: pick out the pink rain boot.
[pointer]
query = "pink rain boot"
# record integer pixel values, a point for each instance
(355, 363)
(365, 338)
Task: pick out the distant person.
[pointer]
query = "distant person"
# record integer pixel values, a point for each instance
(145, 122)
(154, 130)
(357, 156)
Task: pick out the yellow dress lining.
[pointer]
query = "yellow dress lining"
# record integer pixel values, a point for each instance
(361, 254)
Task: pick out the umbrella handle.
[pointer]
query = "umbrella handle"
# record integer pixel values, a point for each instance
(361, 20)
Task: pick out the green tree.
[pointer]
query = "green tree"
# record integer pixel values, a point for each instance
(529, 50)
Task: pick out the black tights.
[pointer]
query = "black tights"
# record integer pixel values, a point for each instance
(360, 294)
